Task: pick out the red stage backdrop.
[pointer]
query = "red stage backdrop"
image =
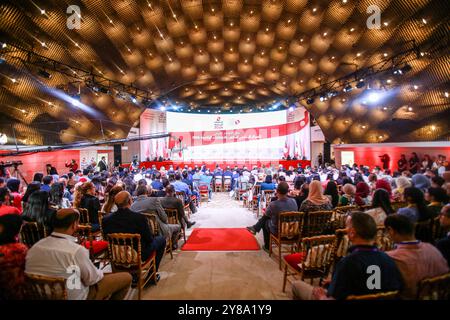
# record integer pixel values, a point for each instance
(227, 137)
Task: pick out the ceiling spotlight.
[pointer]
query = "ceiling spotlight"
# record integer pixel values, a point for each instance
(410, 109)
(309, 100)
(3, 45)
(424, 21)
(323, 98)
(416, 87)
(332, 93)
(348, 88)
(363, 126)
(360, 84)
(386, 24)
(291, 109)
(44, 74)
(406, 68)
(314, 9)
(13, 80)
(133, 99)
(42, 11)
(162, 108)
(433, 127)
(446, 94)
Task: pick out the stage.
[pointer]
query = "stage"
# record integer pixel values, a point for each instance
(223, 164)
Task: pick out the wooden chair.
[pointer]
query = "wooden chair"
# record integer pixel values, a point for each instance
(32, 232)
(227, 183)
(341, 246)
(383, 242)
(268, 194)
(313, 260)
(125, 255)
(316, 222)
(101, 215)
(390, 295)
(218, 185)
(435, 288)
(84, 215)
(172, 217)
(154, 226)
(290, 226)
(181, 195)
(254, 202)
(98, 249)
(38, 287)
(204, 193)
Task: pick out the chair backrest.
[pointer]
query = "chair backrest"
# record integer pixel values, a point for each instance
(345, 209)
(436, 288)
(203, 188)
(101, 215)
(383, 242)
(84, 235)
(152, 222)
(39, 287)
(256, 189)
(290, 225)
(319, 252)
(32, 232)
(180, 195)
(316, 222)
(172, 216)
(84, 215)
(390, 295)
(342, 244)
(124, 250)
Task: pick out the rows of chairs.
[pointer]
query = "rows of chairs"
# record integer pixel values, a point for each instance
(315, 243)
(222, 184)
(121, 250)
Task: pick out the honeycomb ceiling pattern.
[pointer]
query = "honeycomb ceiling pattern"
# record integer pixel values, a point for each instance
(221, 55)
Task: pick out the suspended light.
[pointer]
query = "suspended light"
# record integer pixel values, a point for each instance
(310, 100)
(323, 97)
(348, 88)
(360, 84)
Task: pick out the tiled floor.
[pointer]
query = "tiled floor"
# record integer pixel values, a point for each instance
(219, 275)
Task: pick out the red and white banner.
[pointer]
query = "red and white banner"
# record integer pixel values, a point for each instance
(270, 135)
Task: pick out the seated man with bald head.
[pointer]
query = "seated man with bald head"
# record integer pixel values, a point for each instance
(58, 255)
(124, 220)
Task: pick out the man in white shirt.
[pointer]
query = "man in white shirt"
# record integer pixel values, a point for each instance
(58, 255)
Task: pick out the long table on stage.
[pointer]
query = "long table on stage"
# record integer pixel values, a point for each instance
(212, 164)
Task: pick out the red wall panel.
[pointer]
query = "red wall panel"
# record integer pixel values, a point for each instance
(36, 162)
(369, 156)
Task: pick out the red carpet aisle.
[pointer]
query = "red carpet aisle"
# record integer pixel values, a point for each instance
(221, 239)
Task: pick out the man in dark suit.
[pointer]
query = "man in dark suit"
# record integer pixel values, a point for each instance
(145, 204)
(170, 201)
(124, 220)
(444, 244)
(102, 164)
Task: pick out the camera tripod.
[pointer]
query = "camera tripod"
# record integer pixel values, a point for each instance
(16, 173)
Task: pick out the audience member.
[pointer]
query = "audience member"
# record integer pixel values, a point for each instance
(416, 260)
(58, 255)
(352, 272)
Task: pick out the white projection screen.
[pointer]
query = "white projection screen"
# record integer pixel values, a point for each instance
(217, 137)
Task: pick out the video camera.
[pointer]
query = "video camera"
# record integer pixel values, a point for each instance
(8, 164)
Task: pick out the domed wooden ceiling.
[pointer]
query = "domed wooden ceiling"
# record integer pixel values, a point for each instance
(221, 55)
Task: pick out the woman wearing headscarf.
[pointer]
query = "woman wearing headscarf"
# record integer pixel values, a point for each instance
(402, 183)
(362, 195)
(383, 184)
(421, 182)
(316, 200)
(348, 198)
